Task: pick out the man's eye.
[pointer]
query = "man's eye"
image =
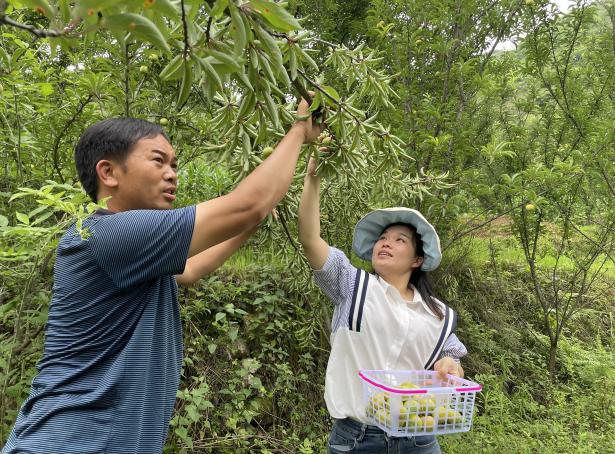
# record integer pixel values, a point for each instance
(158, 160)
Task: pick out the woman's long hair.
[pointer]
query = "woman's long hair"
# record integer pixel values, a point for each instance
(421, 279)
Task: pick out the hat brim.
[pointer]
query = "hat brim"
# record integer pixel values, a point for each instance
(368, 230)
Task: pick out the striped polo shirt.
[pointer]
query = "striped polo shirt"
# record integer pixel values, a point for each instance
(373, 327)
(110, 369)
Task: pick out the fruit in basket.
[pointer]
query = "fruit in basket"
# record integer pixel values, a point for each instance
(412, 404)
(454, 417)
(379, 400)
(408, 385)
(427, 404)
(442, 414)
(410, 422)
(428, 423)
(383, 417)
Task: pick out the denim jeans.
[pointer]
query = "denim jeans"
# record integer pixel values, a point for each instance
(351, 436)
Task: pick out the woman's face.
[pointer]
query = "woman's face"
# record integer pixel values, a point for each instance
(395, 251)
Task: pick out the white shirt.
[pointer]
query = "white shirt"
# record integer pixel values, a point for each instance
(377, 329)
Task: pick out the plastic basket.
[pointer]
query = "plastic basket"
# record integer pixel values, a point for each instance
(416, 402)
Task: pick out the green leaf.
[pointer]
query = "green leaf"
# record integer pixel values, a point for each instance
(275, 15)
(174, 70)
(40, 6)
(3, 221)
(45, 88)
(220, 316)
(23, 218)
(4, 58)
(218, 9)
(186, 85)
(224, 58)
(238, 29)
(209, 71)
(138, 26)
(332, 92)
(167, 9)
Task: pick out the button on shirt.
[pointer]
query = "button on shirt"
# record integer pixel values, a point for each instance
(384, 332)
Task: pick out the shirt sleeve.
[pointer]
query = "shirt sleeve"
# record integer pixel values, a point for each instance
(454, 348)
(336, 277)
(138, 245)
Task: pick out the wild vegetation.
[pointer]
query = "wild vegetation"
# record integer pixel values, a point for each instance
(511, 155)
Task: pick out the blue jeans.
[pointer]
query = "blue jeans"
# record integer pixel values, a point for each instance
(351, 436)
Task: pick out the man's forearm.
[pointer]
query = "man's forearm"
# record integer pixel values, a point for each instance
(204, 263)
(268, 183)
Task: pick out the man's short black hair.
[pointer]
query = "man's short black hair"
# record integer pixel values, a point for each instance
(109, 139)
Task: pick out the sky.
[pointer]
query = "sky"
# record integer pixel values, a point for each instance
(563, 6)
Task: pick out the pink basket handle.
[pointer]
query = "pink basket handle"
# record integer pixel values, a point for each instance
(476, 387)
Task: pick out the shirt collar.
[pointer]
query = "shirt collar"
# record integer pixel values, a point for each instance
(416, 299)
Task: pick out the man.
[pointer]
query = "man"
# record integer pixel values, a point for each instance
(113, 346)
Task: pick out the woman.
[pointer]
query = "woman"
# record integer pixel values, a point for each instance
(390, 320)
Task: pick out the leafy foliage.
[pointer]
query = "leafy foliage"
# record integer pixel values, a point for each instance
(509, 153)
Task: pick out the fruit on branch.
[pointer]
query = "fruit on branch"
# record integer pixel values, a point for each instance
(267, 152)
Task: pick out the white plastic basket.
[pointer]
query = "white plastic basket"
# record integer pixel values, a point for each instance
(405, 403)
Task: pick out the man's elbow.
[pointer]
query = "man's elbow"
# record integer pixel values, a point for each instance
(258, 208)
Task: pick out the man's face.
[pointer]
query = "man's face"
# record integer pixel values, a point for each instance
(148, 177)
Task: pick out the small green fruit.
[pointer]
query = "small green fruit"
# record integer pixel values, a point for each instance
(153, 57)
(267, 152)
(163, 121)
(143, 69)
(428, 422)
(530, 207)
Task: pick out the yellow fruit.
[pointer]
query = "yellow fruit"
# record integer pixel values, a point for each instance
(325, 140)
(427, 404)
(530, 207)
(153, 57)
(143, 69)
(267, 152)
(163, 121)
(383, 417)
(408, 385)
(442, 413)
(454, 417)
(412, 404)
(428, 422)
(379, 400)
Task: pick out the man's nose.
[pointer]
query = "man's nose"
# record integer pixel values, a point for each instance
(171, 175)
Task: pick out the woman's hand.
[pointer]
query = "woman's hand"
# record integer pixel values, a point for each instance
(311, 168)
(448, 365)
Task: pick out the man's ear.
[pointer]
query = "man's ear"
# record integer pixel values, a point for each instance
(106, 171)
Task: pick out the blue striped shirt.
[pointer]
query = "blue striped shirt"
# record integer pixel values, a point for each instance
(110, 369)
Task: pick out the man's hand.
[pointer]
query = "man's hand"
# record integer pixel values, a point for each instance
(309, 128)
(448, 365)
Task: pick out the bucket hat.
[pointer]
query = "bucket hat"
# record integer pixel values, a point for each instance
(368, 230)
